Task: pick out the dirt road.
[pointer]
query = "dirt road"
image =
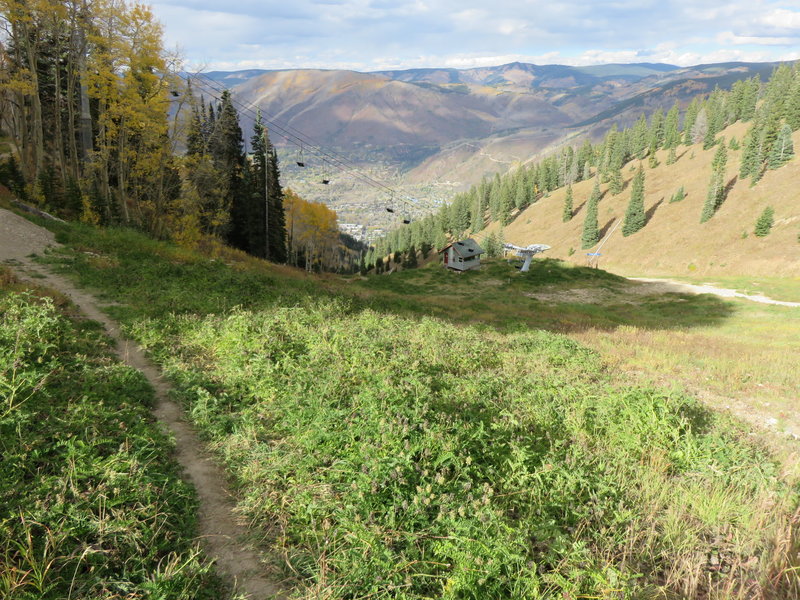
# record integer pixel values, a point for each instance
(668, 285)
(221, 532)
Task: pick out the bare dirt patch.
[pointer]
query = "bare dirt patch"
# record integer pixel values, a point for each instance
(221, 532)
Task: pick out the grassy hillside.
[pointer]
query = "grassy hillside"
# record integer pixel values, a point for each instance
(386, 453)
(674, 242)
(91, 504)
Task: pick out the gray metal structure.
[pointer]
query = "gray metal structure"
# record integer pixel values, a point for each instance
(527, 252)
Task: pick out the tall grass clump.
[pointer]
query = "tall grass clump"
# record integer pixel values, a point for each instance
(91, 504)
(394, 457)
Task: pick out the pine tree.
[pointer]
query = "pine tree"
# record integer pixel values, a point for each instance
(521, 197)
(567, 212)
(689, 120)
(411, 258)
(591, 228)
(716, 186)
(671, 134)
(615, 183)
(635, 217)
(765, 222)
(679, 195)
(782, 150)
(749, 163)
(225, 145)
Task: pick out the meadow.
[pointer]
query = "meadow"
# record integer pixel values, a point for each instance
(386, 445)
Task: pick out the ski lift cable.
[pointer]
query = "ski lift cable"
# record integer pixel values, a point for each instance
(286, 132)
(303, 138)
(298, 138)
(334, 160)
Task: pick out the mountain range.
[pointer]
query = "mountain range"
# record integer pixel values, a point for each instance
(430, 132)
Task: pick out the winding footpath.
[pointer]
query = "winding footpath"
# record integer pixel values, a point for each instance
(221, 532)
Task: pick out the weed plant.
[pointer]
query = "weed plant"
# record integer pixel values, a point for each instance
(91, 504)
(394, 456)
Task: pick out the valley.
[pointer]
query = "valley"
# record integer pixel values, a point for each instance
(429, 133)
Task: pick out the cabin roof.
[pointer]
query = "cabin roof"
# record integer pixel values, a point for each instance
(465, 248)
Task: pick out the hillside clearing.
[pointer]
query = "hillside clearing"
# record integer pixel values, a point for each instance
(384, 457)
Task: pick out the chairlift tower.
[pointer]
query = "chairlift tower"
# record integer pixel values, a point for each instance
(527, 252)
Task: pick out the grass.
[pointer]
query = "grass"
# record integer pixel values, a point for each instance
(392, 440)
(553, 295)
(91, 504)
(708, 345)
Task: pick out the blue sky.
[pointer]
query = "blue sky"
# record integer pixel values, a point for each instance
(369, 35)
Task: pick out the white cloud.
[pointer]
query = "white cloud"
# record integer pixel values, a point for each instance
(780, 18)
(377, 34)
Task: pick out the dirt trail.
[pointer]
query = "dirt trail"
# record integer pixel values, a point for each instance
(668, 285)
(221, 532)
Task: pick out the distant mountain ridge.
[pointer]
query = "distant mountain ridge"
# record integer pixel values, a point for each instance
(433, 131)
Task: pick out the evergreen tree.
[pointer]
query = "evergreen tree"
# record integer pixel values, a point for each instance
(265, 209)
(679, 195)
(566, 215)
(635, 215)
(749, 163)
(656, 133)
(591, 228)
(689, 120)
(521, 199)
(639, 138)
(225, 145)
(716, 186)
(411, 258)
(672, 135)
(493, 244)
(765, 222)
(782, 150)
(615, 183)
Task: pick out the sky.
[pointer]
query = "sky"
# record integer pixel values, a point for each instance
(371, 35)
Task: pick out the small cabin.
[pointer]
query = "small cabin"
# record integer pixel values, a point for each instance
(462, 256)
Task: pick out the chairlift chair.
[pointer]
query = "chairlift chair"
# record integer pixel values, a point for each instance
(300, 161)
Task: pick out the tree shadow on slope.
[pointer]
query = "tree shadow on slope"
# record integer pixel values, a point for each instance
(553, 295)
(152, 279)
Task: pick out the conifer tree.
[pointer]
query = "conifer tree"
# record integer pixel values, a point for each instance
(591, 228)
(765, 222)
(749, 160)
(689, 120)
(782, 150)
(566, 215)
(671, 132)
(635, 215)
(716, 186)
(679, 195)
(521, 196)
(411, 259)
(225, 145)
(615, 182)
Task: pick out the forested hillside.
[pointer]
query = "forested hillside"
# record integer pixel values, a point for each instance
(700, 178)
(99, 126)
